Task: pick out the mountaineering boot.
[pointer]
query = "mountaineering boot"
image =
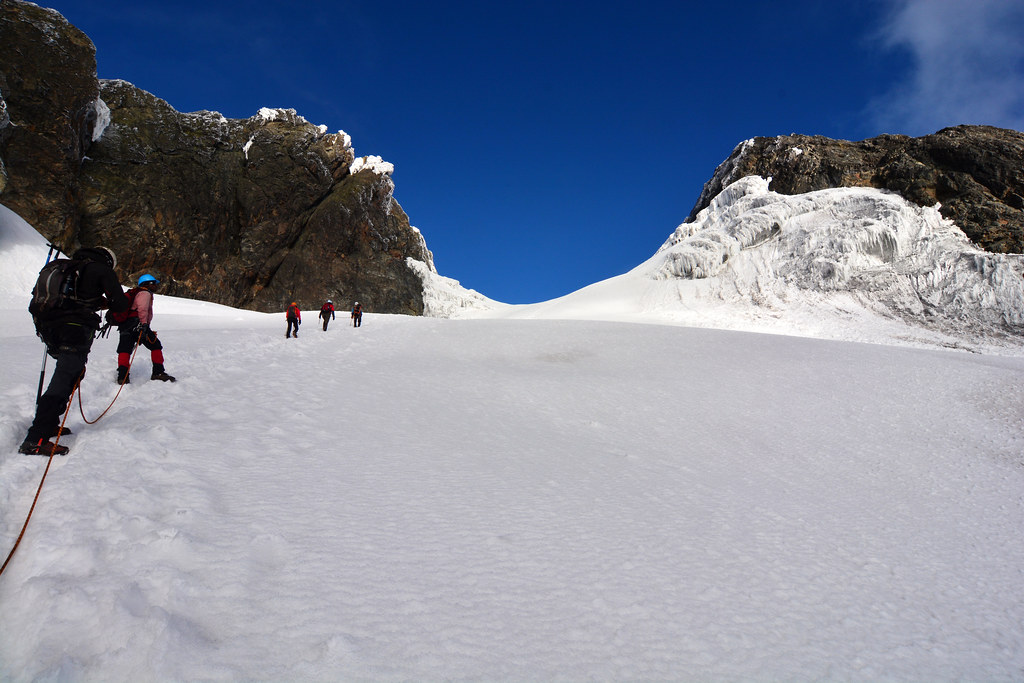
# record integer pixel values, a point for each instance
(42, 447)
(122, 375)
(158, 373)
(61, 431)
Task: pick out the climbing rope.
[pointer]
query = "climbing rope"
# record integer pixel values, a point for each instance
(49, 461)
(60, 431)
(119, 388)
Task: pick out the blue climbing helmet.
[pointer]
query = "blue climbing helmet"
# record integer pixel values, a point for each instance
(148, 278)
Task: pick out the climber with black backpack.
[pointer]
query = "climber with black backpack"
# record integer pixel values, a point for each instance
(65, 300)
(133, 328)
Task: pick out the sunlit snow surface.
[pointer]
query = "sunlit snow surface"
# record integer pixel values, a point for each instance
(515, 499)
(849, 264)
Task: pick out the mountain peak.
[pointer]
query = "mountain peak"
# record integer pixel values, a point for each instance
(974, 174)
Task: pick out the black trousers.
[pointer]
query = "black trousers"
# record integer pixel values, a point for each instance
(291, 324)
(127, 336)
(70, 344)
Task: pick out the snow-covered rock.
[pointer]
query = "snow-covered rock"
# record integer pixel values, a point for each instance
(372, 163)
(849, 263)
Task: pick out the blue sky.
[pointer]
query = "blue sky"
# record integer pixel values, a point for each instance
(541, 146)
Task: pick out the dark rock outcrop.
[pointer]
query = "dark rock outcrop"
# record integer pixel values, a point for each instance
(49, 88)
(976, 173)
(252, 213)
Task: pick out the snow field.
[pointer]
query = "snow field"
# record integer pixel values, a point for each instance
(541, 496)
(428, 499)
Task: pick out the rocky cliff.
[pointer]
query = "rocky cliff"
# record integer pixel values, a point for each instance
(252, 213)
(48, 93)
(976, 174)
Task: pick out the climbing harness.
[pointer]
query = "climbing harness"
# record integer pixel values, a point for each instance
(49, 460)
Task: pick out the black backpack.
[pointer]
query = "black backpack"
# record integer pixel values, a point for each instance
(57, 287)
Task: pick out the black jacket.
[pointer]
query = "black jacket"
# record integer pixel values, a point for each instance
(98, 285)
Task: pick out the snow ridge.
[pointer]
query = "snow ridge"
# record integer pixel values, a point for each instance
(898, 258)
(851, 263)
(444, 297)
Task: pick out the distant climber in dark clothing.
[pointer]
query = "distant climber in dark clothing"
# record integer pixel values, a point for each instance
(357, 315)
(327, 313)
(294, 317)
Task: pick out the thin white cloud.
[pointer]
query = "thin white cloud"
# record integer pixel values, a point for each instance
(966, 65)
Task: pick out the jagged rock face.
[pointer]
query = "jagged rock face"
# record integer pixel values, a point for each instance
(253, 213)
(976, 173)
(49, 90)
(264, 208)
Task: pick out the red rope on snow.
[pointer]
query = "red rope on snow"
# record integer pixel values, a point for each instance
(49, 460)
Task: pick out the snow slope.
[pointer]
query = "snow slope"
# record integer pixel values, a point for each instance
(436, 499)
(853, 263)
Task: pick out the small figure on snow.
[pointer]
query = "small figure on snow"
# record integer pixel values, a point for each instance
(327, 312)
(133, 328)
(294, 317)
(357, 315)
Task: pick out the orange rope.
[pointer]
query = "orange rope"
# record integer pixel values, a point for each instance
(49, 461)
(125, 380)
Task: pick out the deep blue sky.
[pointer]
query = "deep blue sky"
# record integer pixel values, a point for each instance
(543, 146)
